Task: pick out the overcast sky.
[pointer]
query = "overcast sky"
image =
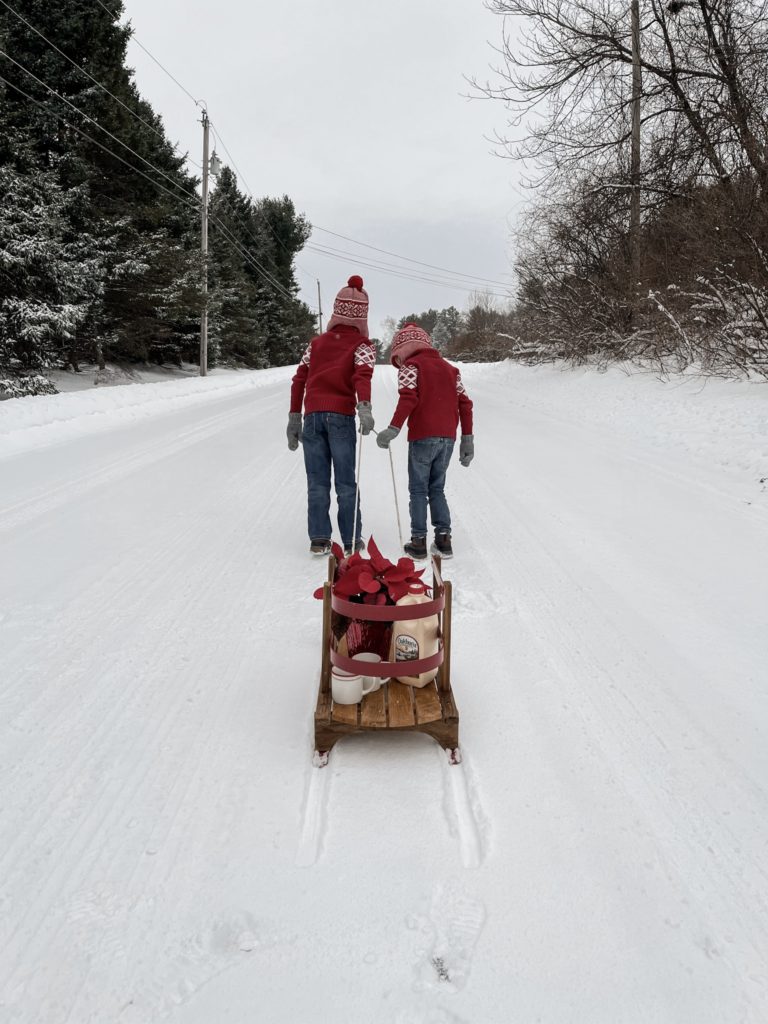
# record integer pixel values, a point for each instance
(359, 112)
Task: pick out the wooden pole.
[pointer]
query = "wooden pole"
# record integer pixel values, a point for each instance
(204, 250)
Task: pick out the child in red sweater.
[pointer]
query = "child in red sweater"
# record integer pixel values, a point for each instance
(433, 399)
(333, 380)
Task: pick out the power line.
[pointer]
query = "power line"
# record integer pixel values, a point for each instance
(95, 81)
(377, 265)
(216, 133)
(257, 211)
(135, 39)
(85, 135)
(467, 277)
(329, 252)
(241, 222)
(230, 237)
(250, 234)
(192, 201)
(408, 259)
(240, 175)
(404, 275)
(94, 122)
(383, 265)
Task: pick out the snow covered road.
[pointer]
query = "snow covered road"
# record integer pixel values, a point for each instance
(160, 648)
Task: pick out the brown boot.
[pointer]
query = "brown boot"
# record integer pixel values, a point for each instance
(442, 544)
(417, 548)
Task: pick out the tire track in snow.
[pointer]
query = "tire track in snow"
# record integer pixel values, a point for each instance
(171, 612)
(580, 638)
(22, 512)
(195, 963)
(100, 737)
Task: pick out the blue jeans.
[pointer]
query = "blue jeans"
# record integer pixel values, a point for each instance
(427, 465)
(330, 440)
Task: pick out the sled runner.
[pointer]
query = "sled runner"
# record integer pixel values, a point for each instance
(430, 709)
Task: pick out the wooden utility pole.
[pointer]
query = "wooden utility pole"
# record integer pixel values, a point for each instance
(204, 250)
(634, 199)
(319, 308)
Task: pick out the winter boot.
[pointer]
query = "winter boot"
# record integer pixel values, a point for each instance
(416, 548)
(359, 546)
(442, 544)
(318, 548)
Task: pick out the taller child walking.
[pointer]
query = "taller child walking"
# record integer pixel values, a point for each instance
(433, 399)
(332, 381)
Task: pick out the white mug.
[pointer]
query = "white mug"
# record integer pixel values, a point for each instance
(348, 687)
(375, 681)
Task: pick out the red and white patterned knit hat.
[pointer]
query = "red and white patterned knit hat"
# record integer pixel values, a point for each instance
(409, 339)
(351, 306)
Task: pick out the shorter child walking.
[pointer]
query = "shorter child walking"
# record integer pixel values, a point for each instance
(433, 400)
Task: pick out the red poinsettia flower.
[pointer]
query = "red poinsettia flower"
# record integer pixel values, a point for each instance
(375, 580)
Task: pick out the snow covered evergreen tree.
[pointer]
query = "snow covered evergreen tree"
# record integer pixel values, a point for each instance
(100, 228)
(132, 238)
(49, 281)
(255, 314)
(287, 322)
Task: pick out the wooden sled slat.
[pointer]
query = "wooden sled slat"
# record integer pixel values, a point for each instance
(400, 706)
(373, 711)
(427, 703)
(345, 714)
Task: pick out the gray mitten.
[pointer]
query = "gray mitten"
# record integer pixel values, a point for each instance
(293, 431)
(366, 417)
(385, 436)
(467, 449)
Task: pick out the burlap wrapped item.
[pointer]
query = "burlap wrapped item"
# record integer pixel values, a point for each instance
(413, 639)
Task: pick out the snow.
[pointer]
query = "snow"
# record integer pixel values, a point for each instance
(160, 652)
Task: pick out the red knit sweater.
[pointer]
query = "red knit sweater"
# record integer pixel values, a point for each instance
(432, 397)
(334, 373)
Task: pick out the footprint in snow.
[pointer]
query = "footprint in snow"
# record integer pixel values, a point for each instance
(195, 960)
(449, 936)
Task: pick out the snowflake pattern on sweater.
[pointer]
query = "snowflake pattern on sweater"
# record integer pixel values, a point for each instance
(365, 355)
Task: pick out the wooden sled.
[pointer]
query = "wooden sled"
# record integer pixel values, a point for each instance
(430, 709)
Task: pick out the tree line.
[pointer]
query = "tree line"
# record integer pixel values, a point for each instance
(692, 287)
(100, 218)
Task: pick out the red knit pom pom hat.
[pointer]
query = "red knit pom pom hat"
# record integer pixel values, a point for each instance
(409, 339)
(351, 306)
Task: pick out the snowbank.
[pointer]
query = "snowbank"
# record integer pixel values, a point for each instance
(715, 422)
(40, 421)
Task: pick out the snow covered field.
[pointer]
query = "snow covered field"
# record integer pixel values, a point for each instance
(160, 647)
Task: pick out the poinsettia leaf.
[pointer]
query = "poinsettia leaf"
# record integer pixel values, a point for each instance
(349, 584)
(337, 551)
(377, 560)
(395, 575)
(319, 593)
(405, 564)
(369, 583)
(379, 598)
(397, 590)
